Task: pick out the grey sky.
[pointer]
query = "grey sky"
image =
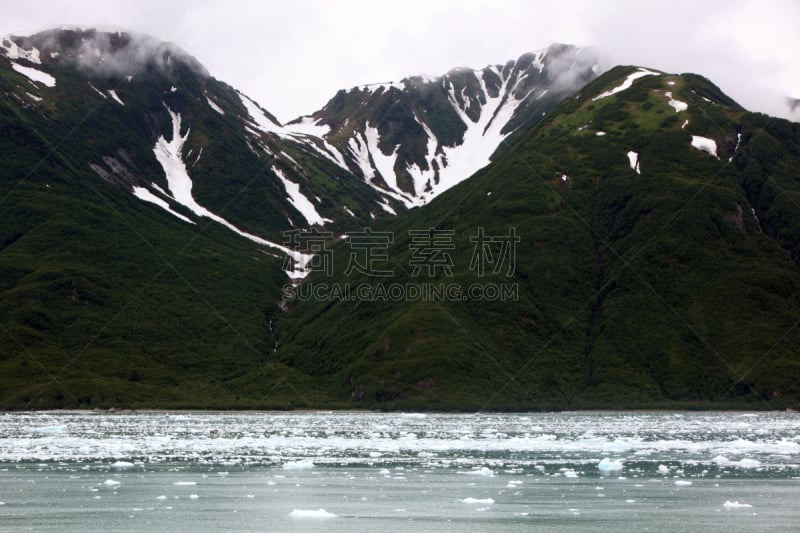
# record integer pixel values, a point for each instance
(293, 56)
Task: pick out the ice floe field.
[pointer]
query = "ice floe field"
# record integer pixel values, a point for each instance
(344, 471)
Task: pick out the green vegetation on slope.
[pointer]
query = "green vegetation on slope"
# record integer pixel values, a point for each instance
(635, 290)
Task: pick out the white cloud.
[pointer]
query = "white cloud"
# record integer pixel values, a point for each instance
(293, 56)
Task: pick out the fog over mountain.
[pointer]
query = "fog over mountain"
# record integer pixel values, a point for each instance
(291, 58)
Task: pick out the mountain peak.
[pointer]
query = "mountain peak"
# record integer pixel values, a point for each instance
(101, 50)
(415, 138)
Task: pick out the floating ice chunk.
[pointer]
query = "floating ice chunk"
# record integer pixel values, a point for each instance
(482, 471)
(35, 75)
(122, 464)
(52, 429)
(705, 144)
(111, 483)
(630, 501)
(570, 473)
(384, 472)
(735, 505)
(310, 513)
(298, 465)
(162, 497)
(721, 460)
(663, 469)
(641, 73)
(633, 161)
(193, 496)
(478, 501)
(607, 465)
(185, 483)
(600, 133)
(682, 483)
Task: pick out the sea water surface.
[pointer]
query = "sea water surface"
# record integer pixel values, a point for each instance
(346, 471)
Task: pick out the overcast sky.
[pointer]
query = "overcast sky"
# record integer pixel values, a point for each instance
(293, 55)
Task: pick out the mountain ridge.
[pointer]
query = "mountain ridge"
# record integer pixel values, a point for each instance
(440, 130)
(642, 282)
(656, 264)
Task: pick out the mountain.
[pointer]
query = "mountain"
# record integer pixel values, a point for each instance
(658, 228)
(413, 139)
(156, 110)
(144, 260)
(144, 205)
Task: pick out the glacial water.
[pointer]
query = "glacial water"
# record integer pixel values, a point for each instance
(345, 471)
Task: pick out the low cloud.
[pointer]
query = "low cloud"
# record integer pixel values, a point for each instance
(114, 52)
(292, 57)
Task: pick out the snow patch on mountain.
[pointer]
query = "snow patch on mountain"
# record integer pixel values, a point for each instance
(481, 139)
(13, 51)
(454, 163)
(300, 201)
(358, 147)
(170, 157)
(386, 207)
(35, 75)
(98, 91)
(704, 144)
(144, 194)
(327, 150)
(116, 98)
(627, 84)
(633, 160)
(335, 155)
(677, 105)
(302, 132)
(736, 148)
(214, 106)
(260, 119)
(383, 163)
(308, 126)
